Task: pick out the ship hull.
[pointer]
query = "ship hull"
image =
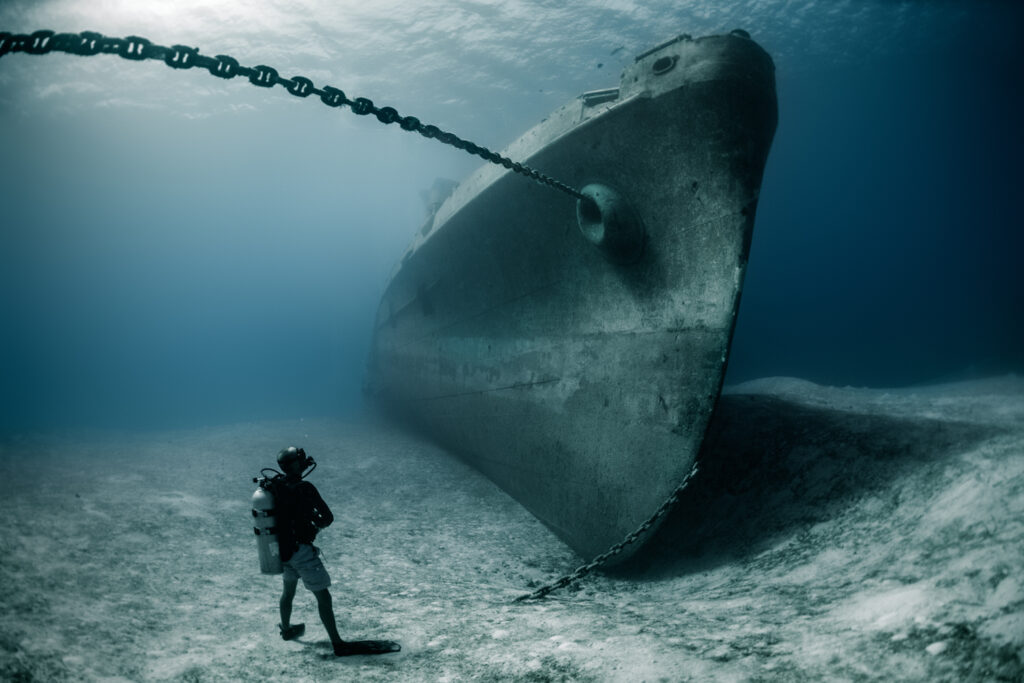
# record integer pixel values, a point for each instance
(580, 384)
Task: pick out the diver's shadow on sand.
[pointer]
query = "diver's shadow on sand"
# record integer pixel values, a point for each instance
(770, 468)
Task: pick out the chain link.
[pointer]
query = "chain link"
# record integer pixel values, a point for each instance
(184, 57)
(601, 559)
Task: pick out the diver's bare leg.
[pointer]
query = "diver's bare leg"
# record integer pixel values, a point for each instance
(326, 608)
(286, 601)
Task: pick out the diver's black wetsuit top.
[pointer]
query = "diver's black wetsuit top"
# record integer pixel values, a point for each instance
(301, 513)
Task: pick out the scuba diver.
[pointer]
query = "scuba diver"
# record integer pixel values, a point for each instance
(301, 513)
(290, 513)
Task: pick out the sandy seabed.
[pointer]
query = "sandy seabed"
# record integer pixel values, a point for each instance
(832, 534)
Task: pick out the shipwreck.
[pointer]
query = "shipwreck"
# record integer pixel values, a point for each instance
(574, 353)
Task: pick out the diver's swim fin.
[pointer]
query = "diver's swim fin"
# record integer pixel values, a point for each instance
(349, 648)
(293, 631)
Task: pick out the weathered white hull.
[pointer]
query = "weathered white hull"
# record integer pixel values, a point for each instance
(581, 385)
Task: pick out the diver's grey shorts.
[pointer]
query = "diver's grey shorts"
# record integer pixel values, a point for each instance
(305, 563)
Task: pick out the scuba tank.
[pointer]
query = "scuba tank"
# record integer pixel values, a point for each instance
(264, 511)
(263, 525)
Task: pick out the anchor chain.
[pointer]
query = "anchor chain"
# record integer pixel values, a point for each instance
(135, 48)
(601, 559)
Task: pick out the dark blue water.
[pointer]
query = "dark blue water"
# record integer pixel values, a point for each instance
(889, 239)
(178, 251)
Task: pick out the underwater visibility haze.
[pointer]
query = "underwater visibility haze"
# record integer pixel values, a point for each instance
(189, 274)
(177, 250)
